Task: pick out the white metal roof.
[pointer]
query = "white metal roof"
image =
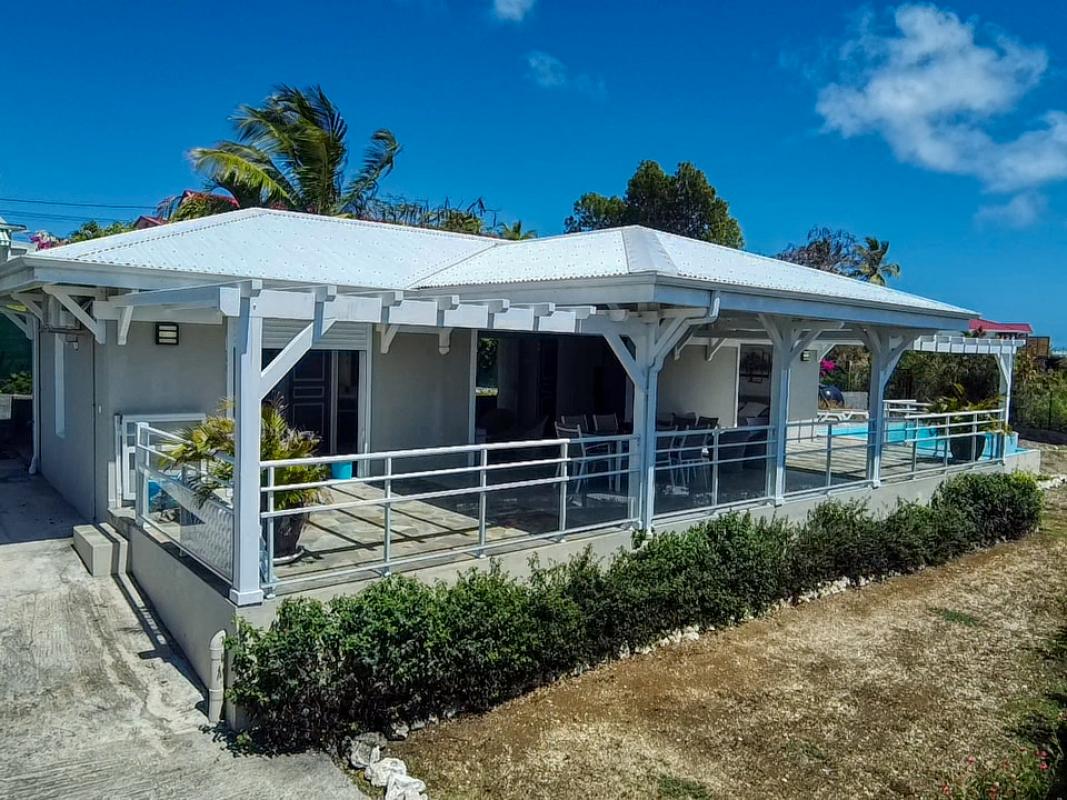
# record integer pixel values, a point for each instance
(624, 251)
(279, 246)
(285, 246)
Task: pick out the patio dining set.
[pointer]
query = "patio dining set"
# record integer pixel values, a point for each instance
(688, 447)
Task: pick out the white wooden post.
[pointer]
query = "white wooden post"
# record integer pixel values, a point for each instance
(789, 338)
(886, 347)
(781, 371)
(649, 443)
(1006, 366)
(247, 535)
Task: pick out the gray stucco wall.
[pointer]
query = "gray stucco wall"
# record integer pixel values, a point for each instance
(707, 388)
(66, 459)
(420, 398)
(142, 377)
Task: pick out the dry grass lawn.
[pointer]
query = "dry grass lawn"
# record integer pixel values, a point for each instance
(881, 692)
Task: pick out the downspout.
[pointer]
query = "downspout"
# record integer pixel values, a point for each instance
(35, 403)
(215, 689)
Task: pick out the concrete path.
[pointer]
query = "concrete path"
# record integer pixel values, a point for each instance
(93, 702)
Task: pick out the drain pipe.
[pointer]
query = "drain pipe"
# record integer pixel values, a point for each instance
(215, 687)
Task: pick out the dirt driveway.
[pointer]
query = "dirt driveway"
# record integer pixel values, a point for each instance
(882, 692)
(93, 702)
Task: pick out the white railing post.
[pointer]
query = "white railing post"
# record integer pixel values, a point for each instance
(829, 453)
(248, 528)
(914, 445)
(715, 467)
(564, 454)
(387, 514)
(482, 501)
(140, 505)
(269, 556)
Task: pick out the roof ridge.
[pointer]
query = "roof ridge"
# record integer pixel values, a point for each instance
(373, 223)
(638, 241)
(781, 262)
(162, 232)
(438, 268)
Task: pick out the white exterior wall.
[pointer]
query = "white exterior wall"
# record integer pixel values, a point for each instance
(691, 384)
(419, 397)
(713, 389)
(804, 389)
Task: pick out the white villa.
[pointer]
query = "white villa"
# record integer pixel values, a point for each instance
(474, 396)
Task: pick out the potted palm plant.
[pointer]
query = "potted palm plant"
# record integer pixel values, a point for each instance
(966, 443)
(215, 435)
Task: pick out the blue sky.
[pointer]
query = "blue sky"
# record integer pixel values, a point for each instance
(942, 128)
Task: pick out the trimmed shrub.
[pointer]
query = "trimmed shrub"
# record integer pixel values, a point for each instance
(402, 650)
(998, 505)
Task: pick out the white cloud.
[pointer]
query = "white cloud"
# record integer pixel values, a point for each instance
(1020, 211)
(934, 86)
(549, 72)
(512, 10)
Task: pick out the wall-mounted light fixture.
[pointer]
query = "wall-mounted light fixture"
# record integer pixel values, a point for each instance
(167, 333)
(806, 355)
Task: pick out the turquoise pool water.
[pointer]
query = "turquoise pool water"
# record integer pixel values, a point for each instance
(926, 438)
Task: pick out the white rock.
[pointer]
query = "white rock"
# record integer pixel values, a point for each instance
(378, 774)
(404, 787)
(365, 749)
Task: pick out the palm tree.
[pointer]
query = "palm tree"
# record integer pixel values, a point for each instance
(871, 265)
(291, 153)
(515, 231)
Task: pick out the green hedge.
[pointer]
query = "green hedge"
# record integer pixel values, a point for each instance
(402, 650)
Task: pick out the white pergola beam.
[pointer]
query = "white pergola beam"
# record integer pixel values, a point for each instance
(125, 319)
(66, 299)
(31, 304)
(627, 360)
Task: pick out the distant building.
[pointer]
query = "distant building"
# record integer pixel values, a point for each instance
(1000, 330)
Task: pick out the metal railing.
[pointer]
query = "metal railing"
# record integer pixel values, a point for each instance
(126, 446)
(190, 505)
(917, 442)
(700, 469)
(557, 486)
(826, 453)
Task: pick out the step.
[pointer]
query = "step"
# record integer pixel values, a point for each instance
(101, 549)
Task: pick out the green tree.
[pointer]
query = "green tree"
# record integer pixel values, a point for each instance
(515, 232)
(593, 212)
(826, 250)
(94, 230)
(684, 203)
(871, 264)
(292, 153)
(842, 253)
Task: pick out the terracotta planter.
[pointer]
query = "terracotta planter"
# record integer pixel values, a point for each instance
(287, 532)
(967, 448)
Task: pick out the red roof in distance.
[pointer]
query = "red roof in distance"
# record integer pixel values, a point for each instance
(989, 326)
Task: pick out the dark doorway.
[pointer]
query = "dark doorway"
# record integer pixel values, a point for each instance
(321, 395)
(526, 382)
